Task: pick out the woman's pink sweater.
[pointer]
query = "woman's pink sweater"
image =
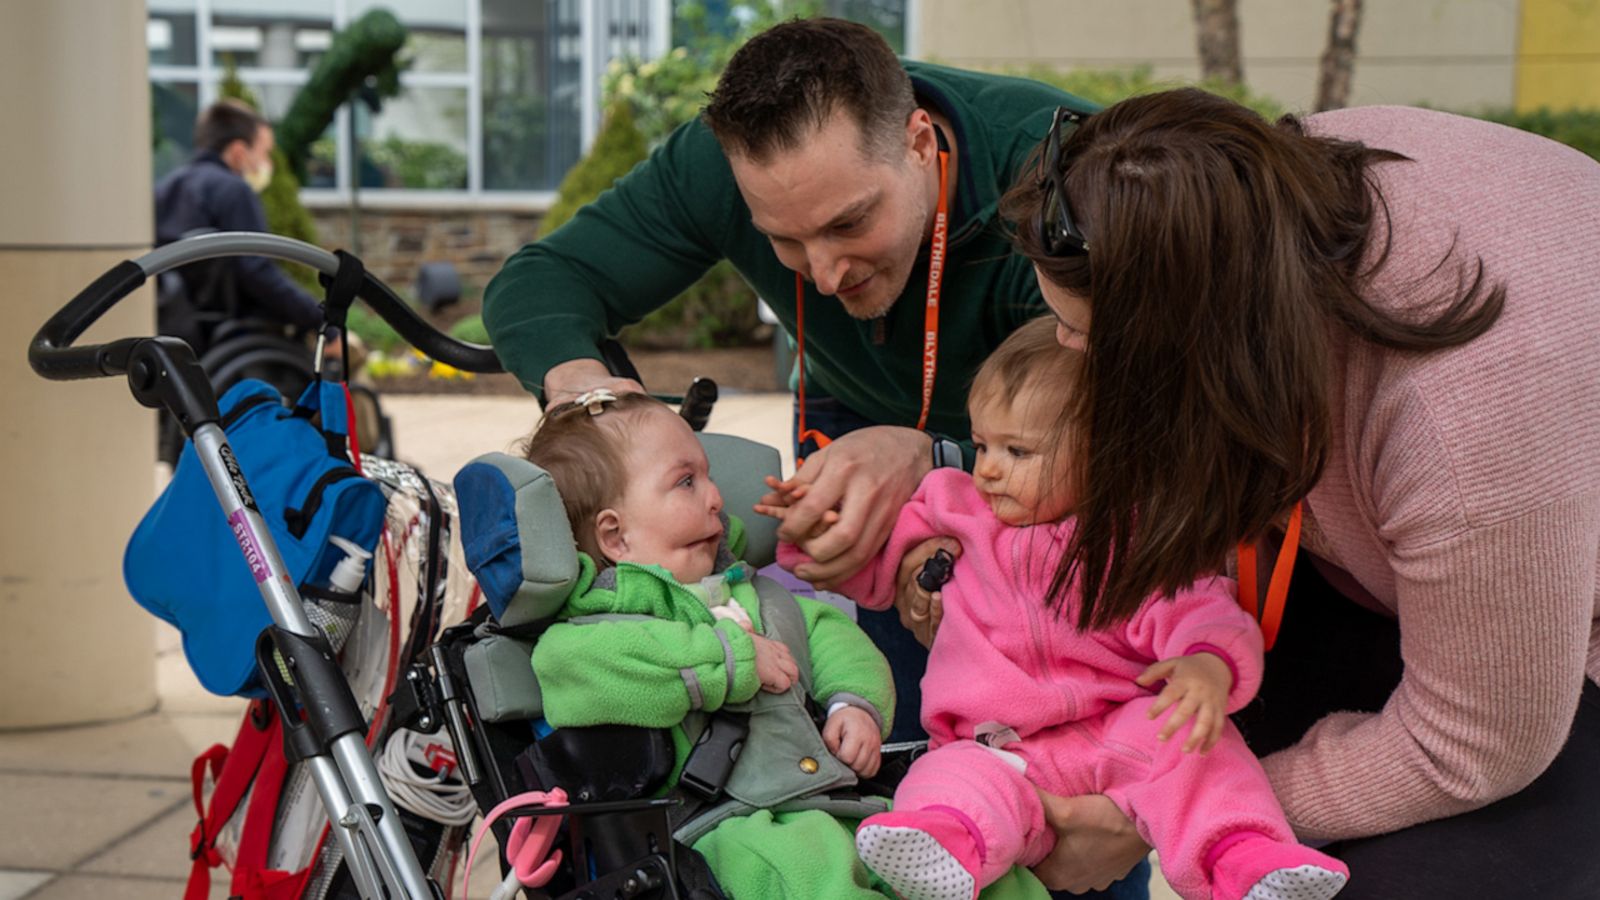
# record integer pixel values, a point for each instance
(1462, 492)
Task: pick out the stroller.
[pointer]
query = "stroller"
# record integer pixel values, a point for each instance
(476, 680)
(325, 729)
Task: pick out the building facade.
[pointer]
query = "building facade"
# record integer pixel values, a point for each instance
(501, 97)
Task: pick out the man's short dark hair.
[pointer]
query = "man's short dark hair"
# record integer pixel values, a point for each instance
(224, 122)
(788, 80)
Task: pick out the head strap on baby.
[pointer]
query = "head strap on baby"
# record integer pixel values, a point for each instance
(595, 401)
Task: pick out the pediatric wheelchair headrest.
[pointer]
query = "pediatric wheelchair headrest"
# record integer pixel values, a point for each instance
(517, 541)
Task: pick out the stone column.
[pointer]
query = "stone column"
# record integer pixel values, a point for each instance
(77, 457)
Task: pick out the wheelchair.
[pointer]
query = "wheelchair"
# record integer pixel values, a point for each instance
(201, 304)
(625, 837)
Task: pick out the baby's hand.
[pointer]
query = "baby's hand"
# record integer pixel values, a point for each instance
(852, 736)
(1198, 684)
(775, 665)
(784, 494)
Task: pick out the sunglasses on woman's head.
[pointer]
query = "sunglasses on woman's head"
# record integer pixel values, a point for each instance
(1057, 229)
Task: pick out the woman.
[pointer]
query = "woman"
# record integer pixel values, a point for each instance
(1391, 318)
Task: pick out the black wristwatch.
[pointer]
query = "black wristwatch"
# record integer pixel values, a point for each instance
(946, 453)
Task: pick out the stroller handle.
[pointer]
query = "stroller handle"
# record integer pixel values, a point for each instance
(52, 355)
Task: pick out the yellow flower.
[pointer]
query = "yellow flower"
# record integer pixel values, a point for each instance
(440, 370)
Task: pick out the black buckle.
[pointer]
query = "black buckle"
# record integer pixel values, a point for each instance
(936, 571)
(711, 759)
(415, 703)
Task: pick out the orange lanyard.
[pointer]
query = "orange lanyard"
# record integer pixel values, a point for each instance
(1278, 588)
(930, 320)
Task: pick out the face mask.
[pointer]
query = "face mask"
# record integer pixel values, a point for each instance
(259, 177)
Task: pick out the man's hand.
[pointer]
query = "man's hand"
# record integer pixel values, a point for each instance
(920, 610)
(1095, 844)
(775, 665)
(567, 381)
(786, 494)
(865, 476)
(1198, 686)
(852, 736)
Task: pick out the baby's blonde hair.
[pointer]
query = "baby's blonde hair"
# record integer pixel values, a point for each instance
(586, 456)
(1030, 357)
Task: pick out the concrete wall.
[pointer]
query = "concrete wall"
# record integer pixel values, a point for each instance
(1458, 54)
(78, 458)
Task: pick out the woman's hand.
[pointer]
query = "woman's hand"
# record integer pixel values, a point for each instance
(1096, 844)
(920, 610)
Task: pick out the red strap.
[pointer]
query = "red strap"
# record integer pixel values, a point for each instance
(257, 832)
(930, 319)
(800, 353)
(233, 769)
(350, 423)
(1278, 588)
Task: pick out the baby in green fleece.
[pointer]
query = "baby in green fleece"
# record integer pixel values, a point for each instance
(654, 542)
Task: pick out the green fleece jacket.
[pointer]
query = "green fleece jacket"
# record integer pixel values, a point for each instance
(654, 672)
(680, 211)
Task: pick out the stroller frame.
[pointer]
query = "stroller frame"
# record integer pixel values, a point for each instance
(163, 373)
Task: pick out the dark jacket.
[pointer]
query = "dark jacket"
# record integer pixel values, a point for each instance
(205, 194)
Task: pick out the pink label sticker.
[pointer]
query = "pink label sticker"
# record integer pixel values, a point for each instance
(247, 543)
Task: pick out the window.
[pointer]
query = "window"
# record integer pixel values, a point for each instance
(498, 99)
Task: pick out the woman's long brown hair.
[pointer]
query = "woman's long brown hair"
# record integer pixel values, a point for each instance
(1222, 250)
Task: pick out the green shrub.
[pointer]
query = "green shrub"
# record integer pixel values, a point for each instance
(719, 310)
(1577, 128)
(374, 331)
(471, 330)
(618, 147)
(419, 164)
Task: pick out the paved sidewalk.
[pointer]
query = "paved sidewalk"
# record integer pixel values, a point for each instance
(105, 811)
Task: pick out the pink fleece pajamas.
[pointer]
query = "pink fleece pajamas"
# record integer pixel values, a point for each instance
(1001, 659)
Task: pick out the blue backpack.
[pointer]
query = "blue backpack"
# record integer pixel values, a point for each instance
(183, 563)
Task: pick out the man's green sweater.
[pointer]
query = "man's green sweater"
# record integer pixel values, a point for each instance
(679, 212)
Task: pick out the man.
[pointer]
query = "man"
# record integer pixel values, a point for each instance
(819, 154)
(216, 191)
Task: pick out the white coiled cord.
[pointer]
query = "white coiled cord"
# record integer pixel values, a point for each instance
(436, 798)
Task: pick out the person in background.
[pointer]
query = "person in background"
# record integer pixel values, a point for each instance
(216, 190)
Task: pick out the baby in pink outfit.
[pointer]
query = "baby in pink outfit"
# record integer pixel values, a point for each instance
(1016, 697)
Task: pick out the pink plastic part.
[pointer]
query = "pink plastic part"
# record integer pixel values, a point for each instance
(528, 847)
